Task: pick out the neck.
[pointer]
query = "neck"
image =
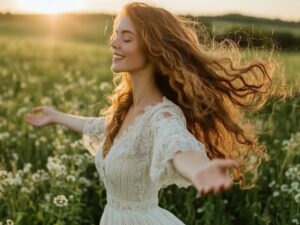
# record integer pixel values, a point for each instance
(144, 89)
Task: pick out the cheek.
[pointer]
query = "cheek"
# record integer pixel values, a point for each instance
(134, 53)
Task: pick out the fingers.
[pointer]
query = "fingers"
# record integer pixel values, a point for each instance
(31, 119)
(35, 122)
(37, 109)
(226, 185)
(29, 116)
(215, 188)
(228, 163)
(206, 190)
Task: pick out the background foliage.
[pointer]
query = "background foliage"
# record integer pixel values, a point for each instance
(47, 177)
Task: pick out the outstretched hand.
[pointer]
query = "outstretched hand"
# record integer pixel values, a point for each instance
(213, 176)
(45, 117)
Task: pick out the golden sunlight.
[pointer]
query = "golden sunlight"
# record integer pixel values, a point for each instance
(50, 6)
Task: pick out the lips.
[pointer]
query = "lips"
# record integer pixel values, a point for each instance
(117, 56)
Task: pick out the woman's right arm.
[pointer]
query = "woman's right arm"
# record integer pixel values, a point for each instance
(70, 121)
(51, 116)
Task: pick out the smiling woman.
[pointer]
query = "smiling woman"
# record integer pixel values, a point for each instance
(50, 7)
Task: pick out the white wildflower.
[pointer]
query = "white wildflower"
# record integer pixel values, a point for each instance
(297, 198)
(60, 201)
(21, 111)
(43, 174)
(71, 197)
(200, 210)
(18, 179)
(95, 174)
(36, 177)
(287, 174)
(3, 174)
(286, 142)
(9, 222)
(64, 157)
(20, 173)
(43, 139)
(298, 175)
(15, 156)
(13, 180)
(4, 135)
(32, 135)
(46, 101)
(272, 184)
(105, 86)
(295, 185)
(47, 197)
(55, 166)
(27, 167)
(74, 144)
(25, 190)
(23, 85)
(295, 221)
(284, 188)
(37, 143)
(61, 172)
(84, 181)
(78, 159)
(70, 178)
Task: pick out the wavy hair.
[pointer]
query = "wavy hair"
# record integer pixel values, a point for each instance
(206, 79)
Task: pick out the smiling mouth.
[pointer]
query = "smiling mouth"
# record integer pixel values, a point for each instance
(117, 58)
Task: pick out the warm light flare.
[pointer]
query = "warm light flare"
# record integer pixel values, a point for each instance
(50, 6)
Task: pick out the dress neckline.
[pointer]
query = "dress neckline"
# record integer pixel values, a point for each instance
(137, 118)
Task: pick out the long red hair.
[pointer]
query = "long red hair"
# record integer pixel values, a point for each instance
(206, 79)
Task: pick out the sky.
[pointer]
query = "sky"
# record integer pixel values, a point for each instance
(281, 9)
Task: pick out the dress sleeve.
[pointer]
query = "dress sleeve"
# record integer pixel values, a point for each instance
(170, 135)
(93, 133)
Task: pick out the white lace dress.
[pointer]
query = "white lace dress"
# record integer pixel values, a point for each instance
(138, 165)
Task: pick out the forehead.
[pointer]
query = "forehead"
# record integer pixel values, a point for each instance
(125, 25)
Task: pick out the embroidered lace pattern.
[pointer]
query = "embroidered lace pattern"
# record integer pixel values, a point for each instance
(139, 161)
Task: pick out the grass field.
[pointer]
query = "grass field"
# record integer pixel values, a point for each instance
(71, 72)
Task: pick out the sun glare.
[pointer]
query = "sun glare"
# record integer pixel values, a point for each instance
(50, 6)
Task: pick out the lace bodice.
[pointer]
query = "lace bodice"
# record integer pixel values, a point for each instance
(138, 163)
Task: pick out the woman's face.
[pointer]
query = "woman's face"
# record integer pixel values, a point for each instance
(127, 53)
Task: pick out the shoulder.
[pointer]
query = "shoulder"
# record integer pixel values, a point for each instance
(167, 114)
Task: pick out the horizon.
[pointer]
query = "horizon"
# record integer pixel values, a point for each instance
(109, 13)
(276, 10)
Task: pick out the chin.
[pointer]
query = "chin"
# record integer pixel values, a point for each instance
(119, 70)
(116, 70)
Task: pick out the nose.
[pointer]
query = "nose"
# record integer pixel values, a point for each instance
(113, 42)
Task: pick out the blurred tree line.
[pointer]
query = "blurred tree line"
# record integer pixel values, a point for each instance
(250, 32)
(247, 31)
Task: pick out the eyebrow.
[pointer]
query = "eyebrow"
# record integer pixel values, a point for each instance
(126, 31)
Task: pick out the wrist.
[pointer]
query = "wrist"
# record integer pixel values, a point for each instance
(56, 117)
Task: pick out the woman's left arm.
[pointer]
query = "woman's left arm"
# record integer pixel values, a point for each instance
(205, 174)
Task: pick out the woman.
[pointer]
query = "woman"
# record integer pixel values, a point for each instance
(174, 119)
